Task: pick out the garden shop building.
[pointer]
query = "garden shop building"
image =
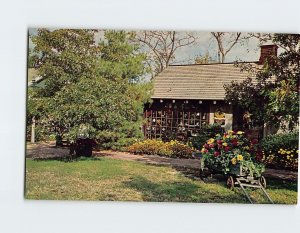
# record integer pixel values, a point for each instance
(186, 97)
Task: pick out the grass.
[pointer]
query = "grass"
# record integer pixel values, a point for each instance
(108, 179)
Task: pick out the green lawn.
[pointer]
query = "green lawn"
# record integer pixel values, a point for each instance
(119, 180)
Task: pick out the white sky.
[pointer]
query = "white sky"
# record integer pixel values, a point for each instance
(204, 43)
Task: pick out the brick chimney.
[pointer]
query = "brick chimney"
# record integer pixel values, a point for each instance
(267, 51)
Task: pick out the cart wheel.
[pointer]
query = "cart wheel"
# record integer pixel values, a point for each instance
(230, 182)
(262, 181)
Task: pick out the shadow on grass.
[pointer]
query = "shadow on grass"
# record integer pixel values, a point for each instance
(67, 159)
(282, 184)
(272, 183)
(182, 191)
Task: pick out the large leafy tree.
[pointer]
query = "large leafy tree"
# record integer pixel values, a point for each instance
(273, 97)
(65, 56)
(101, 97)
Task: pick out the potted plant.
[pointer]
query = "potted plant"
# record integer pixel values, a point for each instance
(232, 153)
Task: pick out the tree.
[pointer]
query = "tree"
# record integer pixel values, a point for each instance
(162, 46)
(104, 101)
(206, 59)
(32, 59)
(120, 59)
(65, 56)
(225, 41)
(274, 96)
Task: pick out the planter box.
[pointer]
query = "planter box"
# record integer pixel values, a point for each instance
(237, 170)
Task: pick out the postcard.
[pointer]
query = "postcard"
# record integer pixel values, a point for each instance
(162, 116)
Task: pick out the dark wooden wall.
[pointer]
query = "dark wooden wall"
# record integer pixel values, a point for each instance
(179, 119)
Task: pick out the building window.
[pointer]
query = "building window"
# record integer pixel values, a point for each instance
(174, 124)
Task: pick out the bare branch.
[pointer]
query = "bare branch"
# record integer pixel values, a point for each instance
(163, 45)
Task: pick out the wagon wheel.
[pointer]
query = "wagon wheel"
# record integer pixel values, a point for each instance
(230, 182)
(262, 180)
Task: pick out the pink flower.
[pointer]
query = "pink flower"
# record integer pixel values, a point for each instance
(227, 148)
(217, 153)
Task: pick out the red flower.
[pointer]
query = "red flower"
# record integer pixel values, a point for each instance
(234, 141)
(206, 146)
(227, 148)
(217, 153)
(219, 141)
(254, 141)
(211, 145)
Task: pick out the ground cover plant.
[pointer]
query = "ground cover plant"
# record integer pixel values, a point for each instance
(172, 148)
(116, 180)
(281, 151)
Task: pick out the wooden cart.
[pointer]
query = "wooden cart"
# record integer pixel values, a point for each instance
(238, 177)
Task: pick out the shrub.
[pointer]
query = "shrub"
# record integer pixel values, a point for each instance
(113, 140)
(40, 134)
(225, 152)
(178, 149)
(207, 132)
(157, 147)
(281, 151)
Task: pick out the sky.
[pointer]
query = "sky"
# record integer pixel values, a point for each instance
(249, 51)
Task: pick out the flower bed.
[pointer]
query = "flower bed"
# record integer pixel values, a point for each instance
(157, 147)
(280, 151)
(230, 150)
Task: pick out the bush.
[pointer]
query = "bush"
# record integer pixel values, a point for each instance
(225, 152)
(40, 134)
(157, 147)
(113, 140)
(281, 151)
(207, 132)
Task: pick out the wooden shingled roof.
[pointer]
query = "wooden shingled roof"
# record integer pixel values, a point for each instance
(200, 82)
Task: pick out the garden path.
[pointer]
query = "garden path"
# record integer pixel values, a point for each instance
(48, 150)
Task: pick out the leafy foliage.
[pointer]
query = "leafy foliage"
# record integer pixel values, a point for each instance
(207, 132)
(226, 152)
(281, 150)
(66, 55)
(274, 98)
(119, 59)
(157, 147)
(89, 89)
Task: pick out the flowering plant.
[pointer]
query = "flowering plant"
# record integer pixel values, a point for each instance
(173, 148)
(281, 151)
(224, 152)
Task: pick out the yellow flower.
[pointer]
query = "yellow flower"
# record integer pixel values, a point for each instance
(224, 144)
(240, 132)
(218, 135)
(239, 157)
(210, 141)
(227, 136)
(233, 161)
(230, 131)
